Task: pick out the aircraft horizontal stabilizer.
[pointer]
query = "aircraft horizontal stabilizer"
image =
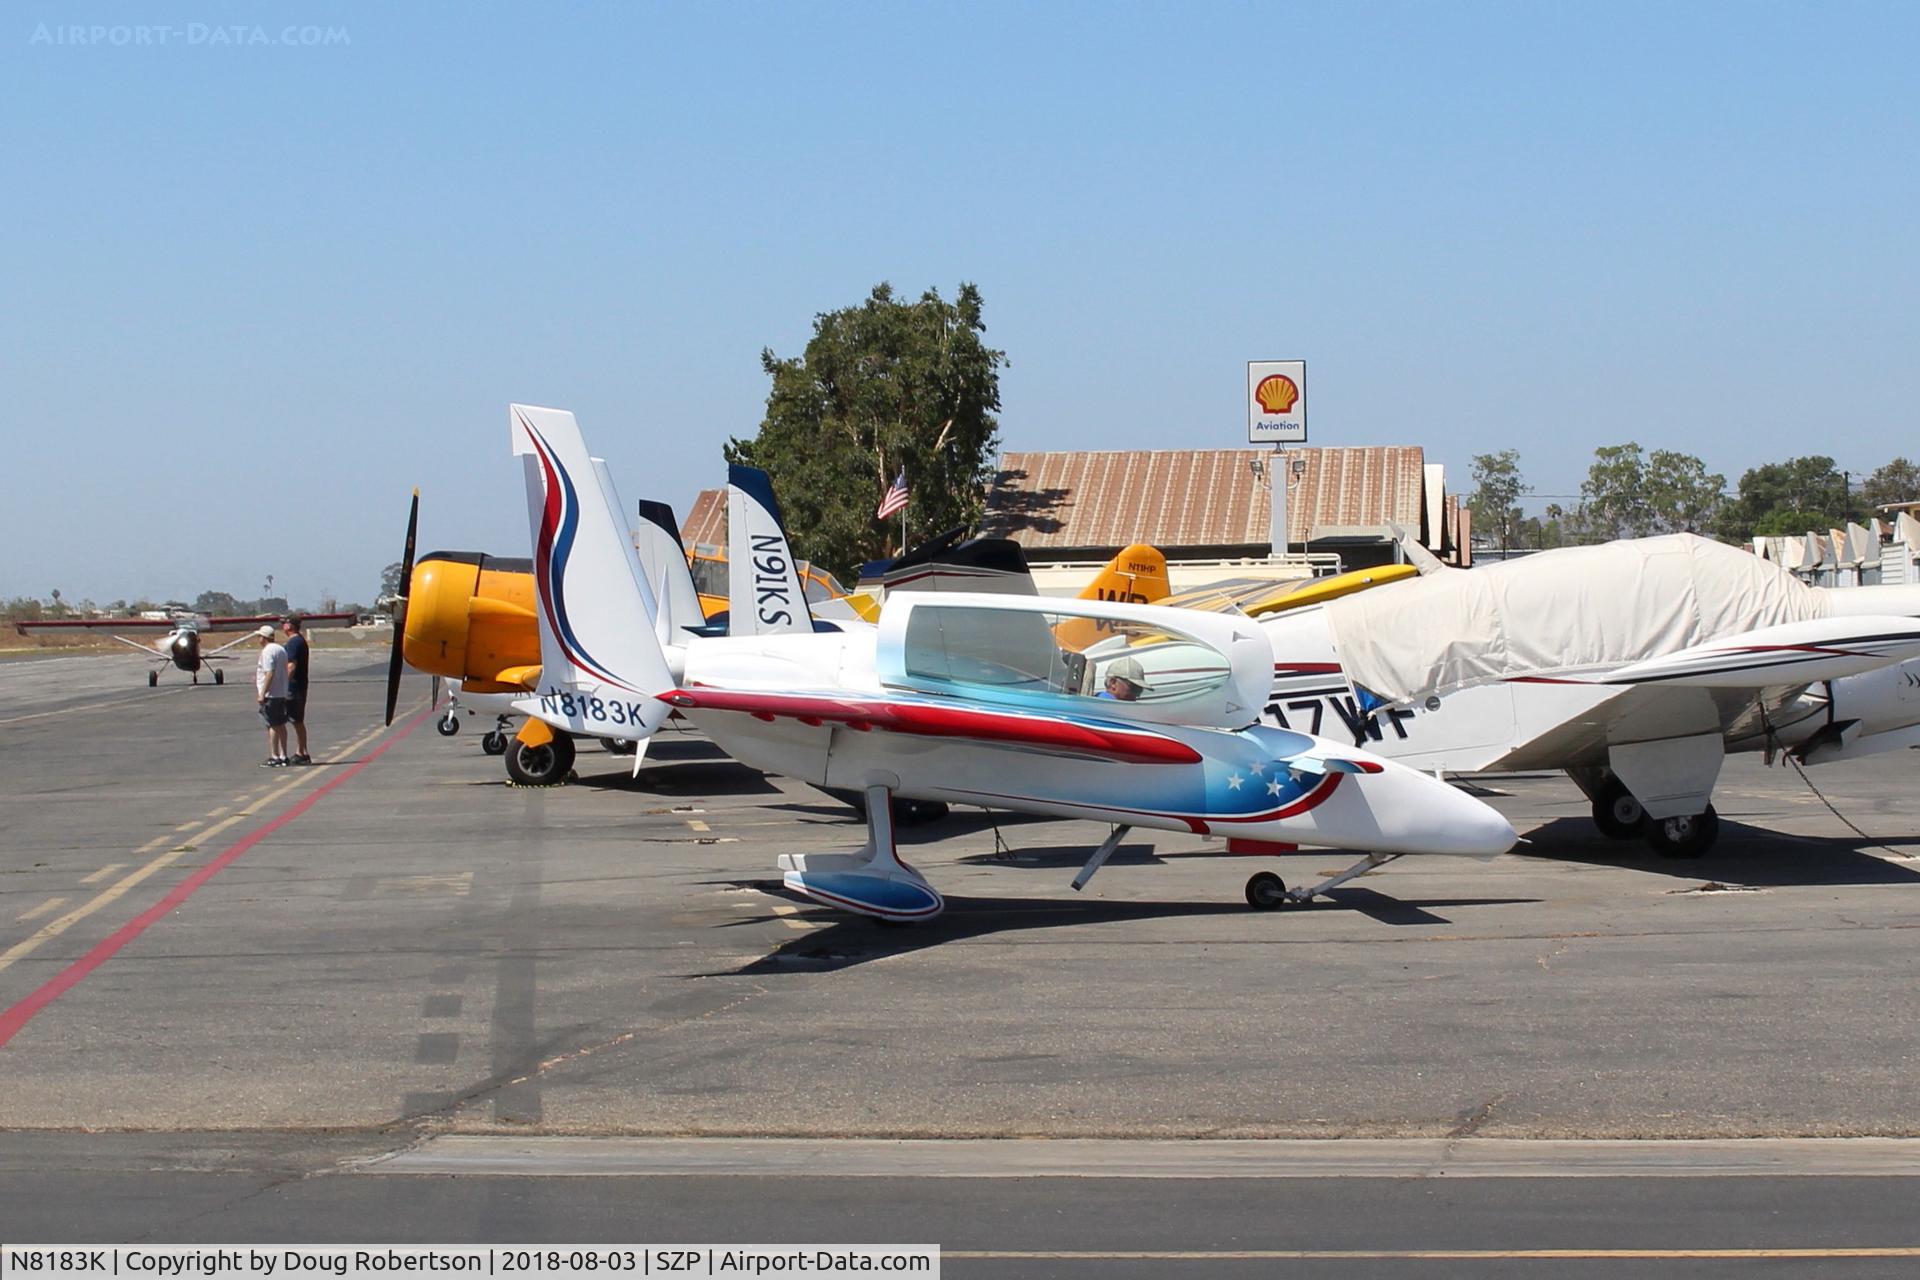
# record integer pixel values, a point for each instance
(1790, 654)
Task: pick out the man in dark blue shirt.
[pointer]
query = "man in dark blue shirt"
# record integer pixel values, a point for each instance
(297, 688)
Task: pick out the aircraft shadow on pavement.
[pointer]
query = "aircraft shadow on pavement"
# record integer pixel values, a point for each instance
(1055, 857)
(715, 777)
(1745, 855)
(849, 940)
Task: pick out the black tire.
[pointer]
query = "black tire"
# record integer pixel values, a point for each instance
(913, 813)
(1266, 891)
(447, 726)
(618, 746)
(219, 677)
(546, 765)
(1616, 812)
(494, 743)
(153, 678)
(1684, 837)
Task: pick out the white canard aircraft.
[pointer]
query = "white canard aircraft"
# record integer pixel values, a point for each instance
(1634, 666)
(965, 699)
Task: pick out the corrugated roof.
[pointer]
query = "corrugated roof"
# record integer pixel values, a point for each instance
(707, 522)
(1195, 497)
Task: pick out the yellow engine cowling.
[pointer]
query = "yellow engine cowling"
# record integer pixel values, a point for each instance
(470, 617)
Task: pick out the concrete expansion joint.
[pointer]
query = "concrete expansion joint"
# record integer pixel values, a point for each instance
(1115, 1158)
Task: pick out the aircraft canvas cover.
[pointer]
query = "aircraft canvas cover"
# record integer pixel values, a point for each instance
(1559, 613)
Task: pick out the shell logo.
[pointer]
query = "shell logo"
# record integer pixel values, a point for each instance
(1276, 393)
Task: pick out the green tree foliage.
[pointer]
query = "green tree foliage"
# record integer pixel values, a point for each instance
(1897, 481)
(1628, 494)
(1682, 495)
(1785, 498)
(884, 386)
(1496, 494)
(390, 584)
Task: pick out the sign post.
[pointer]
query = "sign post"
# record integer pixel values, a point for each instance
(1277, 415)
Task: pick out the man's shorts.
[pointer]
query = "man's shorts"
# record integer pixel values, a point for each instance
(274, 712)
(297, 706)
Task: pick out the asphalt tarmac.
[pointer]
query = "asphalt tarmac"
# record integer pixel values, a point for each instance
(223, 988)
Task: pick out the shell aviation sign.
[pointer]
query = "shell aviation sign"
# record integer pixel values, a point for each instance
(1277, 401)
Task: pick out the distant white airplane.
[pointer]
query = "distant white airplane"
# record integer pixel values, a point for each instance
(180, 647)
(1634, 666)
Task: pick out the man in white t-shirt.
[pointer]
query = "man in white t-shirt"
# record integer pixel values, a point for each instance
(270, 692)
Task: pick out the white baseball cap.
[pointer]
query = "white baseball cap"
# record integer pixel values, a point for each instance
(264, 632)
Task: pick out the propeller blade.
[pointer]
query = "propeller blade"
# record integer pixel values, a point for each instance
(394, 658)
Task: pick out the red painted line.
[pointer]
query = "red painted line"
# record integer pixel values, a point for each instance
(20, 1014)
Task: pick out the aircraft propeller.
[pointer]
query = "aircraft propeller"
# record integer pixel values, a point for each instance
(395, 660)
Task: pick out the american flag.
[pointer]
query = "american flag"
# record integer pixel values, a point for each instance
(896, 498)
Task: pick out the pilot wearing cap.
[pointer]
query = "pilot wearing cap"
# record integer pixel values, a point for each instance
(1125, 681)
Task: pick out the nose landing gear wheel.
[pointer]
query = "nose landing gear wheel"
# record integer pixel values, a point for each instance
(447, 726)
(1266, 891)
(543, 766)
(494, 743)
(1687, 836)
(153, 678)
(219, 677)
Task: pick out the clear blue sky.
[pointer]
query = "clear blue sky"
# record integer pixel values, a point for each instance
(253, 294)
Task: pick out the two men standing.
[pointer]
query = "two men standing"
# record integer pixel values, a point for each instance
(280, 690)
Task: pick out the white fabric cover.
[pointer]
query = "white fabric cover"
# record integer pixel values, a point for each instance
(1565, 612)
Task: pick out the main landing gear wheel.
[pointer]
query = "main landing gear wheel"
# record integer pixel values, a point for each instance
(618, 746)
(153, 678)
(494, 743)
(543, 766)
(219, 677)
(447, 725)
(1266, 891)
(1687, 836)
(1617, 814)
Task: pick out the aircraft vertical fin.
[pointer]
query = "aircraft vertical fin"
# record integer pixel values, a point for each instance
(663, 558)
(764, 593)
(601, 663)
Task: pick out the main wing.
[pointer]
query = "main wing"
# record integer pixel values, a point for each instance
(1090, 738)
(1740, 686)
(274, 619)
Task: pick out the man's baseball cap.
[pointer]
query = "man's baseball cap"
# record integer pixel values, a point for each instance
(264, 632)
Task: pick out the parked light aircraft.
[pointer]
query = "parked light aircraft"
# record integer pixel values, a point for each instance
(1633, 666)
(181, 647)
(962, 698)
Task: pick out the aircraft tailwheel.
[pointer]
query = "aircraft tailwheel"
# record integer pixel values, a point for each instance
(618, 746)
(543, 766)
(494, 743)
(448, 725)
(1266, 891)
(1617, 814)
(153, 678)
(1687, 836)
(219, 677)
